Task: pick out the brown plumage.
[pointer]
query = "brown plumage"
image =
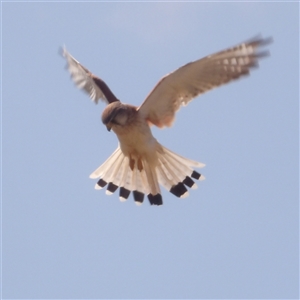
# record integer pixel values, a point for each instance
(140, 163)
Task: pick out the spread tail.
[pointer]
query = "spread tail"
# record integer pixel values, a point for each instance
(137, 175)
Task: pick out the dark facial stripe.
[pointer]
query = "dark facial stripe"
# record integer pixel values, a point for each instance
(112, 187)
(155, 200)
(178, 190)
(102, 183)
(138, 196)
(124, 193)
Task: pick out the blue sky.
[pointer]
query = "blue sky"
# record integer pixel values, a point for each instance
(236, 236)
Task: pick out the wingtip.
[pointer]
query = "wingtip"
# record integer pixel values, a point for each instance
(260, 40)
(62, 50)
(268, 40)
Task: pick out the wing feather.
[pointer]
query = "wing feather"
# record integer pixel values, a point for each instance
(84, 79)
(195, 78)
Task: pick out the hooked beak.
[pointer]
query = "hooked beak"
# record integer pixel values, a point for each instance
(108, 127)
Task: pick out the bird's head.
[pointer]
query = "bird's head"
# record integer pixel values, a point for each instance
(117, 114)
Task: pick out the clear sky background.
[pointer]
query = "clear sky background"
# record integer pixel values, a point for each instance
(236, 236)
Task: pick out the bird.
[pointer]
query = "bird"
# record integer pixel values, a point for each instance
(140, 164)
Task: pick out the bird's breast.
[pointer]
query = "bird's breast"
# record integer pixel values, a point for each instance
(136, 138)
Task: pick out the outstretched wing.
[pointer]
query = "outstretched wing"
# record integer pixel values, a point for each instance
(184, 84)
(84, 79)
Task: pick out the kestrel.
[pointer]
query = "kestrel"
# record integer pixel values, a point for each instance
(140, 164)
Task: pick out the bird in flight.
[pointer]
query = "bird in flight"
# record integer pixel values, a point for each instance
(140, 164)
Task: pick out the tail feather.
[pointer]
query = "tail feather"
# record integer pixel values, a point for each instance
(152, 178)
(127, 177)
(111, 174)
(154, 195)
(133, 180)
(170, 170)
(183, 160)
(179, 173)
(120, 170)
(163, 178)
(106, 165)
(144, 182)
(166, 173)
(179, 168)
(138, 183)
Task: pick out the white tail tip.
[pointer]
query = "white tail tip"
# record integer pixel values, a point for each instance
(98, 187)
(194, 186)
(184, 195)
(122, 199)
